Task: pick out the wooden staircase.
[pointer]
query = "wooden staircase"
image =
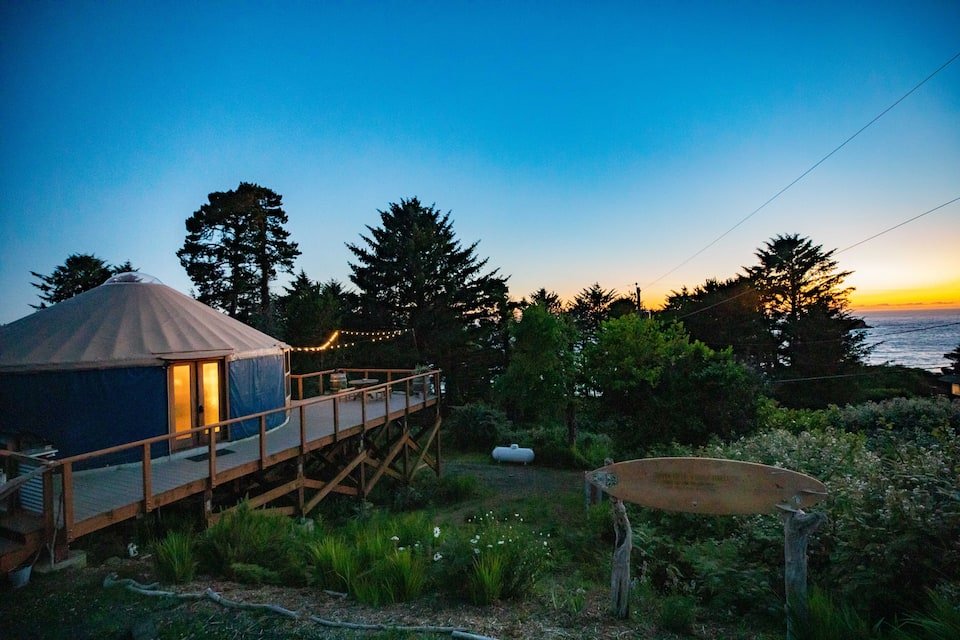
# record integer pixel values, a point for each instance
(21, 536)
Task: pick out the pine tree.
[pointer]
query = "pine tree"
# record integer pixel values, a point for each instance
(806, 306)
(235, 245)
(80, 272)
(412, 272)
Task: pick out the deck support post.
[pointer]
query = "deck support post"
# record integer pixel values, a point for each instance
(208, 505)
(300, 486)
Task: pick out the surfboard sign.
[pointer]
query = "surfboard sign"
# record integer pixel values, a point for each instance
(708, 485)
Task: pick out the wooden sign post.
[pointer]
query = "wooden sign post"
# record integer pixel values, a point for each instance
(723, 487)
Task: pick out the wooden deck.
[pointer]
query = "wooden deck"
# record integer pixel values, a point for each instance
(374, 419)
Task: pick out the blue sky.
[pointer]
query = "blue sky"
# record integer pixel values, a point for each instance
(578, 143)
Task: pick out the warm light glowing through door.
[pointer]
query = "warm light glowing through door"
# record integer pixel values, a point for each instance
(182, 398)
(211, 393)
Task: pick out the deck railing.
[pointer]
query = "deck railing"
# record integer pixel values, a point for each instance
(60, 476)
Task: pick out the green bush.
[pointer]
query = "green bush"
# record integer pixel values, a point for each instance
(893, 515)
(248, 536)
(475, 427)
(379, 560)
(333, 563)
(677, 613)
(254, 574)
(550, 448)
(920, 415)
(427, 490)
(491, 557)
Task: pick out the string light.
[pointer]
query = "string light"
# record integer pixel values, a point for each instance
(374, 336)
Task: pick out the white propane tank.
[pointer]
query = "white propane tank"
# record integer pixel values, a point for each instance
(513, 453)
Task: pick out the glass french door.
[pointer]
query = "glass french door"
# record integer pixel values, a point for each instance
(196, 399)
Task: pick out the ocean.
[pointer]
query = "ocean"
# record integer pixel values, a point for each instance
(913, 338)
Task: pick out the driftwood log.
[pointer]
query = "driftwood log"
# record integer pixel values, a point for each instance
(209, 594)
(797, 527)
(620, 574)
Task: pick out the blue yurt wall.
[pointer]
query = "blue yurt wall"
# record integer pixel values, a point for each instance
(91, 372)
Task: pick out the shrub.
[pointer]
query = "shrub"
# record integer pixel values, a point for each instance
(378, 560)
(549, 444)
(491, 554)
(893, 517)
(428, 490)
(475, 427)
(829, 620)
(677, 613)
(174, 557)
(486, 581)
(247, 536)
(333, 563)
(254, 574)
(920, 415)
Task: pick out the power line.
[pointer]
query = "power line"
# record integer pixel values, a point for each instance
(840, 375)
(938, 326)
(750, 288)
(877, 235)
(808, 171)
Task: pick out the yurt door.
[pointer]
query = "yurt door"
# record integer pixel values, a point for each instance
(196, 398)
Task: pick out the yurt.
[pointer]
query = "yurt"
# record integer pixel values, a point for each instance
(132, 359)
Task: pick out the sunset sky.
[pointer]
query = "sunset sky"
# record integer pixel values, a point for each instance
(577, 142)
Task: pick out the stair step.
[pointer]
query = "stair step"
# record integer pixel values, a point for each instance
(21, 527)
(14, 554)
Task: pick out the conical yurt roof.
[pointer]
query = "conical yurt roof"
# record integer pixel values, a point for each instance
(129, 321)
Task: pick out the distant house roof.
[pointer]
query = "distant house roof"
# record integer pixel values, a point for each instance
(127, 321)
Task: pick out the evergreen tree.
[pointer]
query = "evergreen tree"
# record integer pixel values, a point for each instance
(80, 272)
(725, 314)
(954, 358)
(549, 300)
(591, 307)
(235, 245)
(308, 314)
(806, 306)
(412, 272)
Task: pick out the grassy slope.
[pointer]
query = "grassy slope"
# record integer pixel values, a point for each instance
(572, 602)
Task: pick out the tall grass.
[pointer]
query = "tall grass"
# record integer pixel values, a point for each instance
(174, 557)
(248, 537)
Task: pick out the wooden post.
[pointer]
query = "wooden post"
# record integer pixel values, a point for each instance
(67, 489)
(263, 442)
(147, 480)
(212, 458)
(620, 575)
(797, 527)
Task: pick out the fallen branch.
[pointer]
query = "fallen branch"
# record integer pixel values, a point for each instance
(111, 580)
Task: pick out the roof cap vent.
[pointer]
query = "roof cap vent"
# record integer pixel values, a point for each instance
(132, 276)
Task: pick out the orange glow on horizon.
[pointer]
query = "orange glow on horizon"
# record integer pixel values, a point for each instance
(937, 295)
